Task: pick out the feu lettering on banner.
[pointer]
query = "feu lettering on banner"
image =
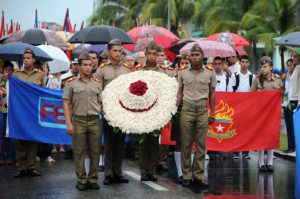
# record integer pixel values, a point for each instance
(223, 127)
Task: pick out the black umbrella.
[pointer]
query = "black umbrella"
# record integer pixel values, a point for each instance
(100, 35)
(292, 39)
(15, 51)
(35, 36)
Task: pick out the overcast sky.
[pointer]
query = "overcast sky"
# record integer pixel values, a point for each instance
(23, 11)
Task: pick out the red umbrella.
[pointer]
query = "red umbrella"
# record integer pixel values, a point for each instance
(229, 38)
(143, 35)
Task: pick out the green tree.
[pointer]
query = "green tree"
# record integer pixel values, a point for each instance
(122, 13)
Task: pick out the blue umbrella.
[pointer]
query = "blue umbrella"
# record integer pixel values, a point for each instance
(15, 51)
(291, 39)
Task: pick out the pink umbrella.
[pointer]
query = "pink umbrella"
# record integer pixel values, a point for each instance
(210, 49)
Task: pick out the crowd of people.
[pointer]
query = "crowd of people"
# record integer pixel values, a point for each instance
(198, 80)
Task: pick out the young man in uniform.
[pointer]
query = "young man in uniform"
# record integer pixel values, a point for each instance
(114, 143)
(82, 100)
(26, 150)
(149, 149)
(196, 84)
(95, 60)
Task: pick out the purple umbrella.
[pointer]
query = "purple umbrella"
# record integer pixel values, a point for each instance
(96, 48)
(89, 47)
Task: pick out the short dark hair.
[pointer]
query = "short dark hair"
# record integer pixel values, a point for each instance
(289, 60)
(152, 46)
(244, 57)
(93, 52)
(161, 49)
(218, 59)
(8, 64)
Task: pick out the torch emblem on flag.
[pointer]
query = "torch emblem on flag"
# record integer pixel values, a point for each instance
(223, 127)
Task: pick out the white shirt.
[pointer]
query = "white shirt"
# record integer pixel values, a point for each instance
(235, 67)
(221, 83)
(244, 85)
(294, 87)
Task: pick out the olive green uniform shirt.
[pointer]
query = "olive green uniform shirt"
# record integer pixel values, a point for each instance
(35, 76)
(108, 72)
(162, 69)
(274, 84)
(196, 84)
(85, 96)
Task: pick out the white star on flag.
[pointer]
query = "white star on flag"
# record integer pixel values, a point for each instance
(220, 128)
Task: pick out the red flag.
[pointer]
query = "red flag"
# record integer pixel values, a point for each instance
(10, 30)
(244, 122)
(2, 28)
(67, 23)
(17, 26)
(82, 24)
(43, 26)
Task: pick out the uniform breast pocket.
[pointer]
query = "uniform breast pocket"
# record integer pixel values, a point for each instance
(78, 92)
(95, 92)
(204, 84)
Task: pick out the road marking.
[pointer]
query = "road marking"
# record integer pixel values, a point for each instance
(149, 183)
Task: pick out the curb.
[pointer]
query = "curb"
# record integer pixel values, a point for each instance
(291, 157)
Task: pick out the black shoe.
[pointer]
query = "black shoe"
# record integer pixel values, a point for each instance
(152, 178)
(20, 174)
(186, 183)
(263, 168)
(289, 151)
(246, 156)
(107, 180)
(270, 168)
(120, 179)
(180, 179)
(101, 168)
(144, 177)
(94, 186)
(201, 183)
(33, 173)
(81, 186)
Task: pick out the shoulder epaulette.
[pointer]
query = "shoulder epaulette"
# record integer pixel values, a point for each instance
(96, 79)
(102, 65)
(182, 68)
(71, 79)
(138, 66)
(209, 67)
(125, 65)
(166, 67)
(41, 72)
(277, 76)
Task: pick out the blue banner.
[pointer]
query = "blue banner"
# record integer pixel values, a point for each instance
(36, 113)
(297, 142)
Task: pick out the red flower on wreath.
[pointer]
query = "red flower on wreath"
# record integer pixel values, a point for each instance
(138, 88)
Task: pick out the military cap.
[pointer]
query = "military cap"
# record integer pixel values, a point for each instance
(84, 55)
(115, 42)
(196, 47)
(265, 59)
(30, 51)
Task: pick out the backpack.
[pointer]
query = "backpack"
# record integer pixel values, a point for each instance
(237, 81)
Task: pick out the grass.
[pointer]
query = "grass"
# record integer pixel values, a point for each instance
(283, 142)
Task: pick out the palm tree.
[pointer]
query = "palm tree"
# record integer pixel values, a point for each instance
(266, 20)
(181, 12)
(122, 13)
(221, 15)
